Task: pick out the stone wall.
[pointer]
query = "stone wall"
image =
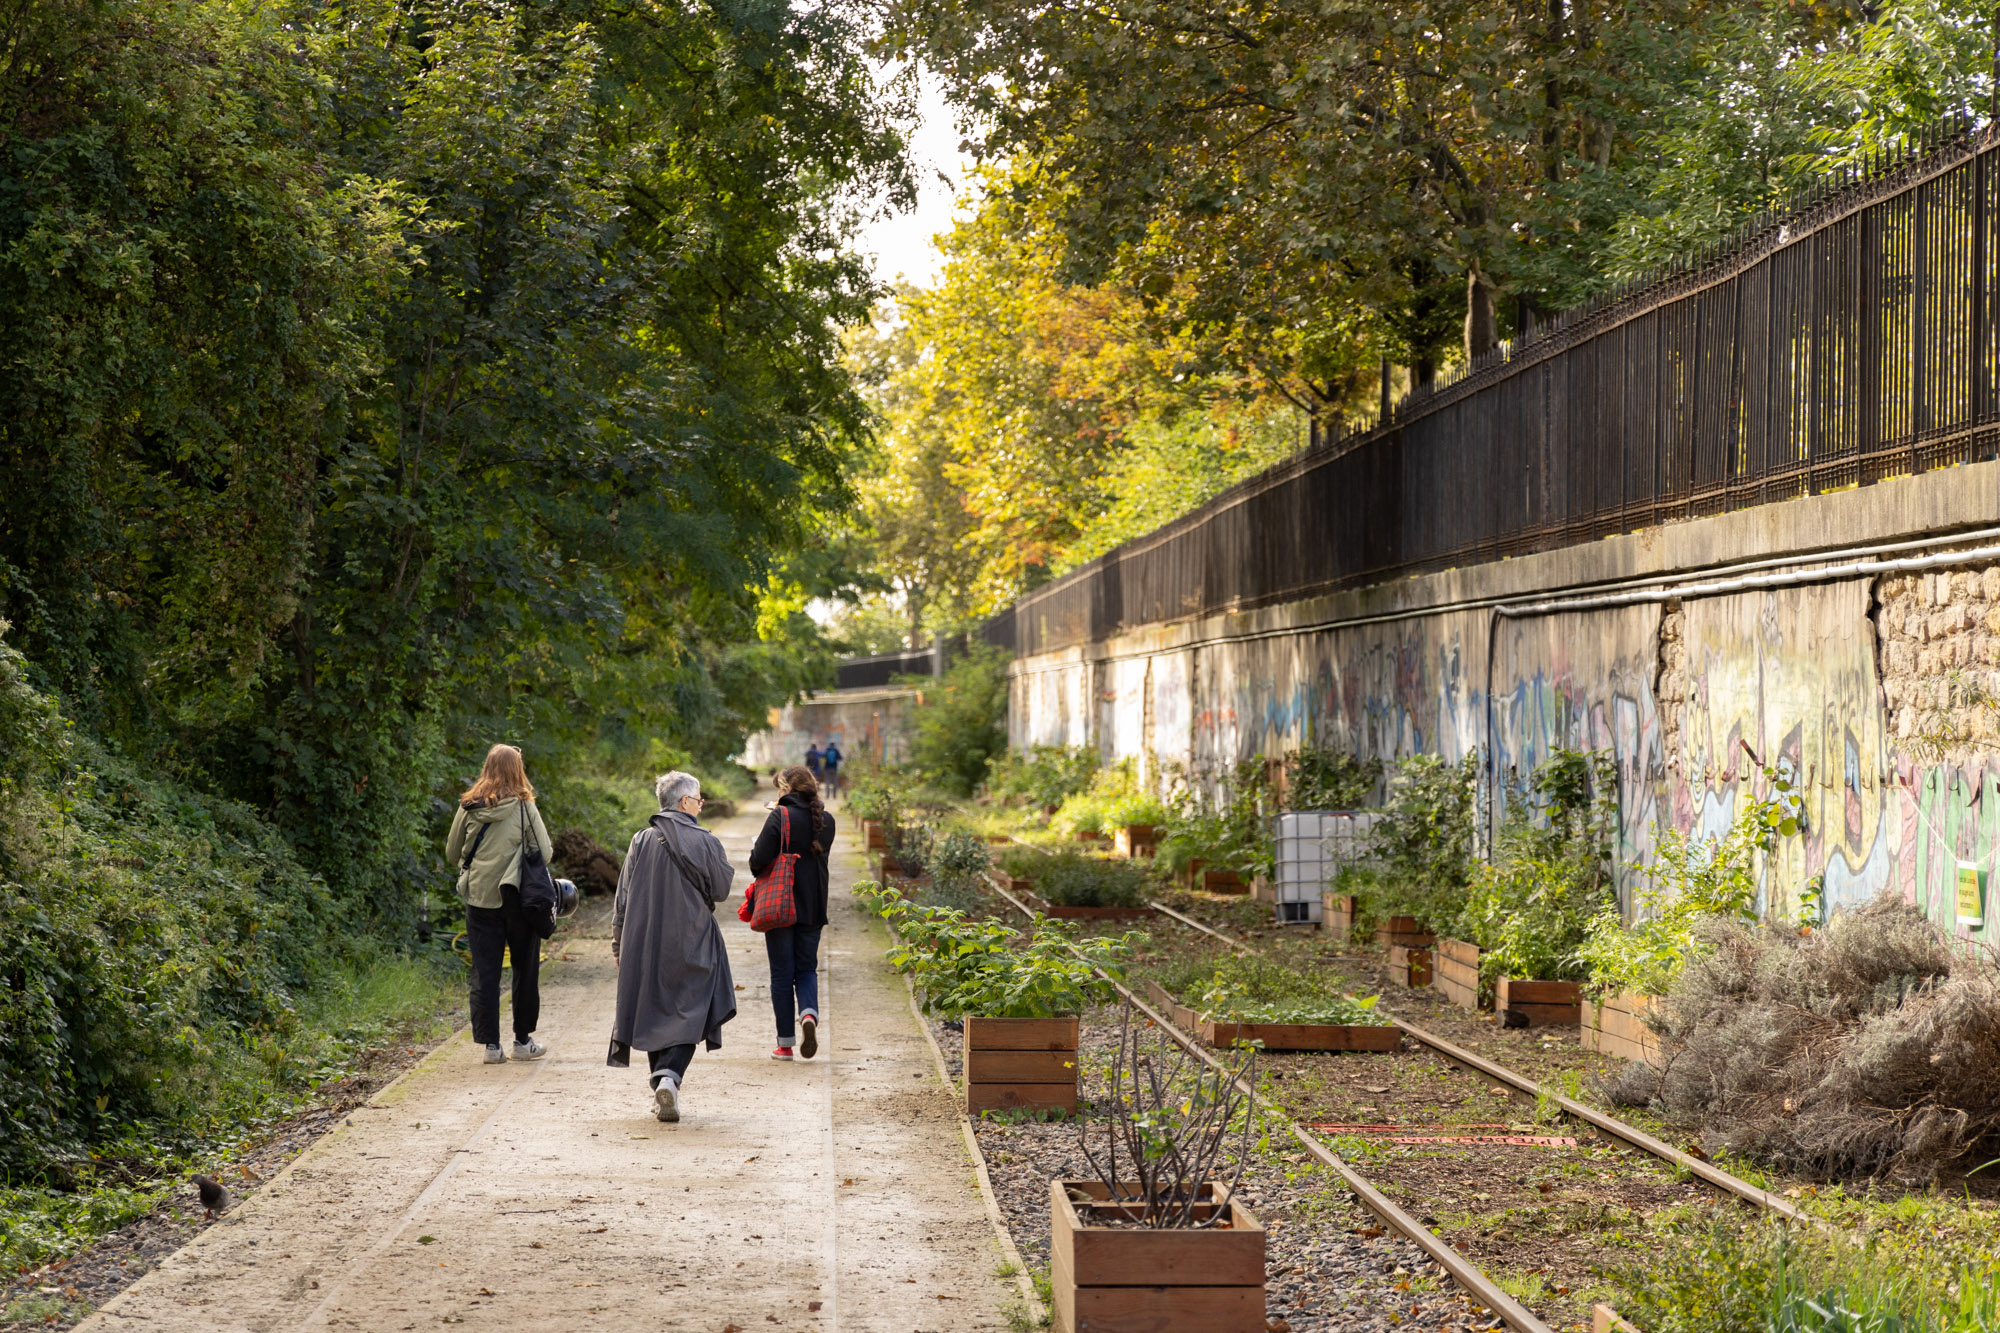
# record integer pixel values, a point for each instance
(1875, 692)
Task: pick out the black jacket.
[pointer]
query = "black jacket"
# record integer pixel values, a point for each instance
(809, 877)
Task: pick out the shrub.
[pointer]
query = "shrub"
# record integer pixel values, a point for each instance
(1532, 908)
(957, 863)
(1042, 775)
(1694, 879)
(1071, 879)
(1229, 831)
(1090, 810)
(961, 724)
(1421, 845)
(1319, 777)
(971, 966)
(1137, 809)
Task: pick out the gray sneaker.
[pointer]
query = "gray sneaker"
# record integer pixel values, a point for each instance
(667, 1102)
(495, 1056)
(529, 1050)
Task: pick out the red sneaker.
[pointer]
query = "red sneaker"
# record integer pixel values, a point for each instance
(782, 1053)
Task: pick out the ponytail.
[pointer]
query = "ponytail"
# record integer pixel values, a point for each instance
(799, 781)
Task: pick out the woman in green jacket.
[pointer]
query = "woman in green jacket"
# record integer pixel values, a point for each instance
(494, 820)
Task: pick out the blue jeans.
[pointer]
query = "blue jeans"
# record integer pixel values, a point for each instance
(794, 955)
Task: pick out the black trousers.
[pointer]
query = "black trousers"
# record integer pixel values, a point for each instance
(489, 931)
(674, 1059)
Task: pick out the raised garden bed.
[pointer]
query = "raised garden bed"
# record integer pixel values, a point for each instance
(1084, 835)
(1223, 881)
(875, 838)
(1616, 1026)
(1455, 972)
(1020, 1064)
(1279, 1036)
(1404, 931)
(1111, 1278)
(1336, 916)
(1061, 913)
(1137, 840)
(1409, 967)
(1545, 1004)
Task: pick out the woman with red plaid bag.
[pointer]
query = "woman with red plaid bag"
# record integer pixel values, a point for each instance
(800, 826)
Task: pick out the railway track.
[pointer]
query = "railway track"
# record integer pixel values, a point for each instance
(1474, 1281)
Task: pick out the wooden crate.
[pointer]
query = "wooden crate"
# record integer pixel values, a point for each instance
(1083, 836)
(875, 838)
(1546, 1004)
(1409, 967)
(1024, 1063)
(1616, 1025)
(1336, 916)
(1455, 972)
(1110, 1279)
(1223, 881)
(1278, 1036)
(1404, 931)
(1137, 840)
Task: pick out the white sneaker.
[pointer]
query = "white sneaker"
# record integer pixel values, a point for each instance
(529, 1050)
(667, 1101)
(495, 1056)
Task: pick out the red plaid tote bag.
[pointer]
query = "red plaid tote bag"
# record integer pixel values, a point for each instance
(770, 901)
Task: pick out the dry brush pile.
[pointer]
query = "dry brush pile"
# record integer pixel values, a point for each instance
(1868, 1048)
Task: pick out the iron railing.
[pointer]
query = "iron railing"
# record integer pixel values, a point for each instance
(1847, 339)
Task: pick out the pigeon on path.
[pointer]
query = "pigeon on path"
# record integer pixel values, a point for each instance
(214, 1195)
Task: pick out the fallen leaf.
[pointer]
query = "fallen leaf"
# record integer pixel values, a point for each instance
(812, 1305)
(485, 1291)
(1377, 1091)
(1278, 1324)
(596, 1231)
(1370, 1233)
(427, 1240)
(753, 1157)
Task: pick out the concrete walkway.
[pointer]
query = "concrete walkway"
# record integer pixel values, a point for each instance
(827, 1195)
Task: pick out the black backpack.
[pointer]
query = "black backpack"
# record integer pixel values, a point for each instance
(539, 895)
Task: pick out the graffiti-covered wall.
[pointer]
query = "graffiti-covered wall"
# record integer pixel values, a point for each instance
(1877, 694)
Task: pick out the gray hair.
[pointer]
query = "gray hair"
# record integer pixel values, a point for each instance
(672, 788)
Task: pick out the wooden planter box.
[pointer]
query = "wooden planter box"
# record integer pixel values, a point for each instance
(1008, 881)
(998, 839)
(1336, 916)
(1403, 930)
(1024, 1063)
(875, 837)
(1223, 881)
(1137, 840)
(1616, 1025)
(1263, 890)
(889, 865)
(1049, 909)
(1082, 836)
(1409, 967)
(1279, 1036)
(1547, 1004)
(1110, 1279)
(1455, 972)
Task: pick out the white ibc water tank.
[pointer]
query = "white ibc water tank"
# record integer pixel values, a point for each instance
(1312, 845)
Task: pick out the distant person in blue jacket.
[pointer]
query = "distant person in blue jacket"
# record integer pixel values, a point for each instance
(813, 756)
(829, 760)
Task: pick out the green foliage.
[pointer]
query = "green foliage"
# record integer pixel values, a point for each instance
(1532, 906)
(1091, 810)
(1732, 1280)
(961, 724)
(1072, 879)
(1320, 777)
(1042, 775)
(977, 966)
(1226, 831)
(1694, 878)
(1248, 988)
(958, 863)
(1421, 845)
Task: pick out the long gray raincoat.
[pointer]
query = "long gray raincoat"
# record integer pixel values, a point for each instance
(674, 985)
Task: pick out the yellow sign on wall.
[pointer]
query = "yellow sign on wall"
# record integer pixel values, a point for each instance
(1971, 895)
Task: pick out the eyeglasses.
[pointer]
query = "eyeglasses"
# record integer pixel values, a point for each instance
(698, 800)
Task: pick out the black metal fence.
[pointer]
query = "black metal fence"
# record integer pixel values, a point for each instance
(1847, 340)
(874, 672)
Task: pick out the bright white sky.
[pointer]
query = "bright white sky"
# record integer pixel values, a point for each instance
(902, 245)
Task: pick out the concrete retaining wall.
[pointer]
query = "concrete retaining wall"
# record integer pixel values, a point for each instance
(871, 723)
(1878, 691)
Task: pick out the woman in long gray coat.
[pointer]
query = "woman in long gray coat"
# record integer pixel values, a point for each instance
(674, 986)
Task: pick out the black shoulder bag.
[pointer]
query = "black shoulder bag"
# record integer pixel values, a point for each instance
(538, 886)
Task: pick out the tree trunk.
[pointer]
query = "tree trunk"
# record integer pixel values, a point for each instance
(1480, 337)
